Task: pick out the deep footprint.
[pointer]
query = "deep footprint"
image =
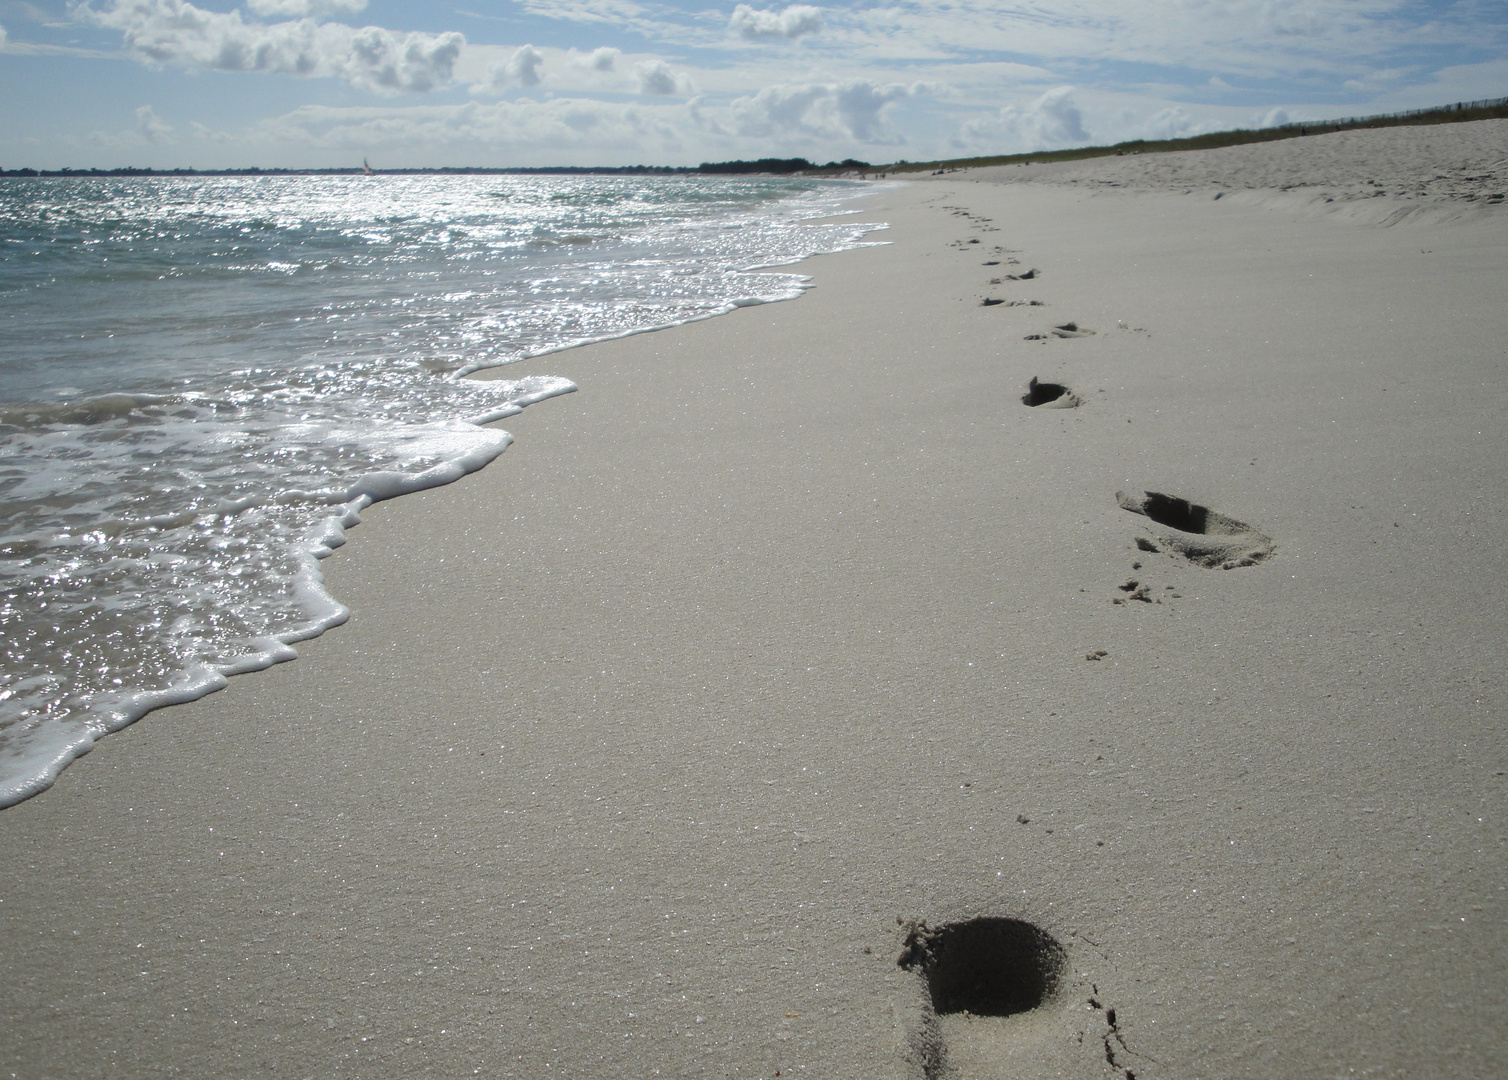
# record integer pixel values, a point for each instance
(1201, 535)
(985, 967)
(1047, 395)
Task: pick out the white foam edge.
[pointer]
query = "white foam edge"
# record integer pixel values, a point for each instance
(52, 745)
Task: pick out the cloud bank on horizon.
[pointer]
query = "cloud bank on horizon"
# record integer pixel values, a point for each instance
(583, 82)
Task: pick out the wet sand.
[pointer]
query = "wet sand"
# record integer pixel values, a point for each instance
(648, 747)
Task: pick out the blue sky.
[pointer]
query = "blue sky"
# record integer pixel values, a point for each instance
(298, 83)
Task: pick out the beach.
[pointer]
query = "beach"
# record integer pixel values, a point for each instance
(648, 748)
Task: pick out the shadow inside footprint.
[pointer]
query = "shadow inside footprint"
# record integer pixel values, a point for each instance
(1201, 535)
(985, 967)
(1071, 330)
(1050, 395)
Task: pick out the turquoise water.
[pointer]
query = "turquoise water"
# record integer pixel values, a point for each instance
(203, 381)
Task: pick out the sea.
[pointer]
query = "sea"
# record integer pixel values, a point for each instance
(205, 380)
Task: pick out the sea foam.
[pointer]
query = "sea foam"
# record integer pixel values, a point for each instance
(220, 375)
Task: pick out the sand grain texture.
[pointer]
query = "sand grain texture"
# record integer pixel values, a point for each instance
(642, 744)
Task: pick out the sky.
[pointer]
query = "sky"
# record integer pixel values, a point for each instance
(319, 83)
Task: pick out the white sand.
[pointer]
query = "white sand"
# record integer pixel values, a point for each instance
(1445, 171)
(641, 741)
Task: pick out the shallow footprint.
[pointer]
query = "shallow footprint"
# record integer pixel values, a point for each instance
(1048, 395)
(1067, 330)
(1201, 535)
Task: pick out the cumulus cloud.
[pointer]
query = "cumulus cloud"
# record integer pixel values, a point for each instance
(1173, 123)
(854, 110)
(300, 9)
(1274, 118)
(150, 126)
(521, 68)
(163, 32)
(603, 59)
(1051, 122)
(655, 77)
(791, 23)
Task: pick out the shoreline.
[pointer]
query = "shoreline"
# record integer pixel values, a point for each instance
(45, 729)
(784, 632)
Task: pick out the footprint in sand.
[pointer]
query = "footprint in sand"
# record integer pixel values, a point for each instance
(1067, 330)
(1199, 534)
(1049, 395)
(983, 978)
(993, 301)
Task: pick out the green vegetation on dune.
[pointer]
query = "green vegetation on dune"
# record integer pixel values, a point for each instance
(1492, 109)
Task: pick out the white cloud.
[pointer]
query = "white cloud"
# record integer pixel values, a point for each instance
(655, 77)
(1051, 122)
(656, 22)
(2, 37)
(1171, 123)
(603, 59)
(611, 12)
(521, 68)
(161, 32)
(382, 60)
(490, 70)
(299, 9)
(794, 21)
(1258, 38)
(1274, 118)
(150, 126)
(853, 110)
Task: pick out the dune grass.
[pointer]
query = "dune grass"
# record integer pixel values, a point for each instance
(1491, 109)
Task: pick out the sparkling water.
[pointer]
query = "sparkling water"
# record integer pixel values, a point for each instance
(203, 381)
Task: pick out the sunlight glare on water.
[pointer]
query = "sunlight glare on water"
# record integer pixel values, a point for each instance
(203, 380)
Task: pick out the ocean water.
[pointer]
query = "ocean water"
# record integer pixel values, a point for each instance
(203, 381)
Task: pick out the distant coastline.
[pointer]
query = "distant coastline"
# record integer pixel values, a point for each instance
(1459, 112)
(763, 166)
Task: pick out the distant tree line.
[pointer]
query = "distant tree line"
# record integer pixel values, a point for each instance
(781, 166)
